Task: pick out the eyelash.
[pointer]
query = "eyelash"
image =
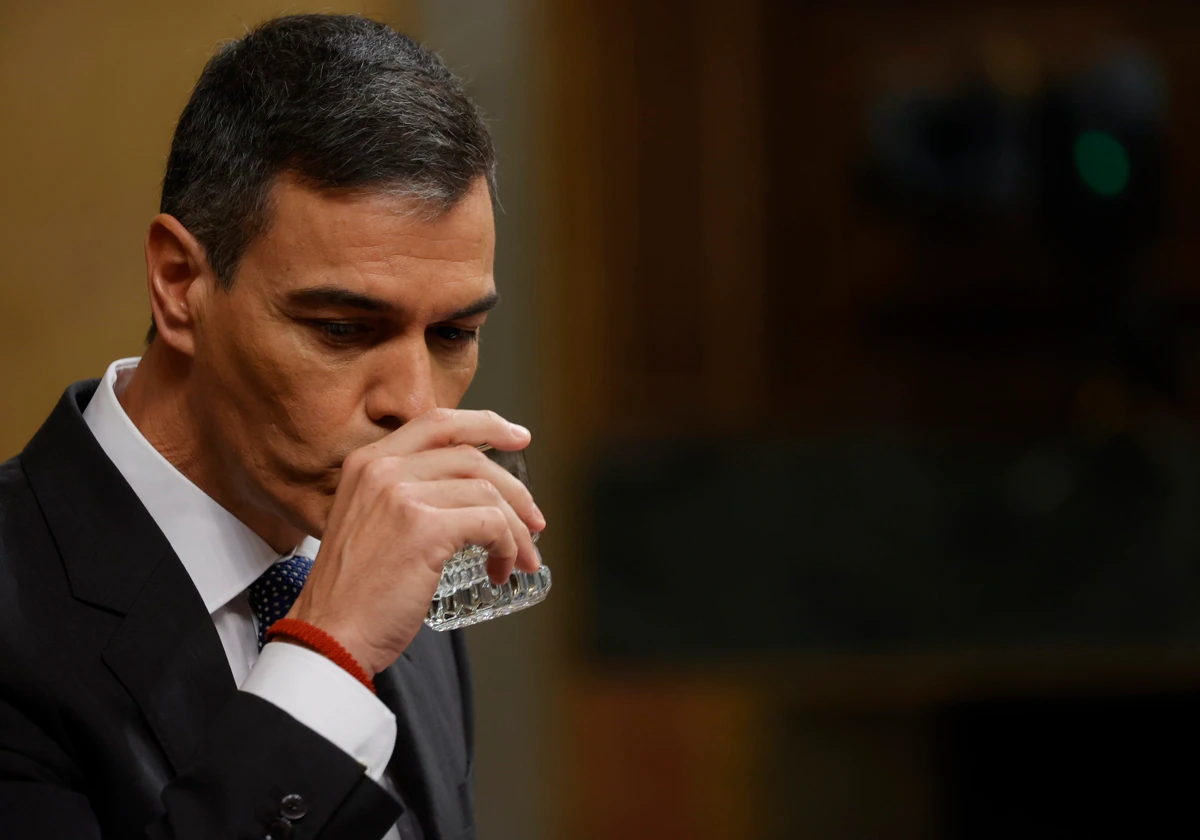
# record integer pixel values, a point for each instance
(342, 332)
(463, 337)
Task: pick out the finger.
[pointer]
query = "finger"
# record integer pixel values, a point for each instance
(478, 492)
(436, 429)
(487, 527)
(444, 427)
(468, 462)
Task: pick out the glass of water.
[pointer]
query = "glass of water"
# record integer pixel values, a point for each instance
(465, 596)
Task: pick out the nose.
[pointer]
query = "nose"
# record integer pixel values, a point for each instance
(401, 386)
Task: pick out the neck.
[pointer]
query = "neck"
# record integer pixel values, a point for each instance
(156, 400)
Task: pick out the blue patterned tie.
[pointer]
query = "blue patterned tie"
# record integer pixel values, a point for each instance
(272, 595)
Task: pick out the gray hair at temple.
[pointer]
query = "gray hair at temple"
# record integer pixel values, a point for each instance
(340, 102)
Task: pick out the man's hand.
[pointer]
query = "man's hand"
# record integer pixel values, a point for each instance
(403, 507)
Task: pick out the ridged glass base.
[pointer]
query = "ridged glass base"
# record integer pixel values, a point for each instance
(465, 596)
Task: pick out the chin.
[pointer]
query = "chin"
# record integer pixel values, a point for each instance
(305, 509)
(314, 515)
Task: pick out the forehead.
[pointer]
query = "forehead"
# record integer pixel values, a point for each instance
(373, 243)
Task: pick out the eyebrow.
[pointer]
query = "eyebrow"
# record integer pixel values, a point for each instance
(484, 304)
(337, 296)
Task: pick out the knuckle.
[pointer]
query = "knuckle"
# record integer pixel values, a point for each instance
(375, 473)
(483, 487)
(466, 450)
(496, 519)
(399, 493)
(472, 459)
(355, 461)
(403, 503)
(487, 523)
(440, 416)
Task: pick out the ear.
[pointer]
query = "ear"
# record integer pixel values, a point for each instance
(178, 277)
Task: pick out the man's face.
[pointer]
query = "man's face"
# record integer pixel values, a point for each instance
(348, 317)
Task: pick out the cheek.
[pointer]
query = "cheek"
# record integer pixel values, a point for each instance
(320, 411)
(310, 406)
(453, 380)
(285, 409)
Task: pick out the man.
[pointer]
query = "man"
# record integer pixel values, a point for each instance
(318, 278)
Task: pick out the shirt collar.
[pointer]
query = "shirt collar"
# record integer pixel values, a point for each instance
(221, 555)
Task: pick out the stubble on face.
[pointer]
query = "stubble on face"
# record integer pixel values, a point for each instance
(345, 321)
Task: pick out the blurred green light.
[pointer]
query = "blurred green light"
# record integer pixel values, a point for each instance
(1102, 162)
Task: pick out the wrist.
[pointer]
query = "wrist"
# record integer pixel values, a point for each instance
(365, 654)
(345, 632)
(371, 657)
(302, 633)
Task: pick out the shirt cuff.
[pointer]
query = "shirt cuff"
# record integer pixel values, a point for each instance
(326, 699)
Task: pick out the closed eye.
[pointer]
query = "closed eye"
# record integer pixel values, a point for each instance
(342, 332)
(456, 335)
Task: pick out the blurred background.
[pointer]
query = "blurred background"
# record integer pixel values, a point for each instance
(861, 345)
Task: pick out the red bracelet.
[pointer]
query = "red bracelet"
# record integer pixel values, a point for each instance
(322, 643)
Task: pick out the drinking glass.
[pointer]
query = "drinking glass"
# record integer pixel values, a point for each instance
(465, 596)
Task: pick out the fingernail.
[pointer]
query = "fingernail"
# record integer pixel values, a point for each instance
(537, 511)
(520, 431)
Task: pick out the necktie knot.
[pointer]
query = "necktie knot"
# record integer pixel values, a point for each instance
(272, 595)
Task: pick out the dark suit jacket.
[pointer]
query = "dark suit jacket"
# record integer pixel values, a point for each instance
(118, 713)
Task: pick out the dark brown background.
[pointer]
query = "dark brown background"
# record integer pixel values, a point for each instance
(692, 251)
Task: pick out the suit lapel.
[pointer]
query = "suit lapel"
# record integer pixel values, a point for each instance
(166, 652)
(169, 657)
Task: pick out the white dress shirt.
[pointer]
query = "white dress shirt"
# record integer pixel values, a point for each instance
(223, 557)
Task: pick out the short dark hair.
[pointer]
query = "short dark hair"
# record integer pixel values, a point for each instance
(340, 101)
